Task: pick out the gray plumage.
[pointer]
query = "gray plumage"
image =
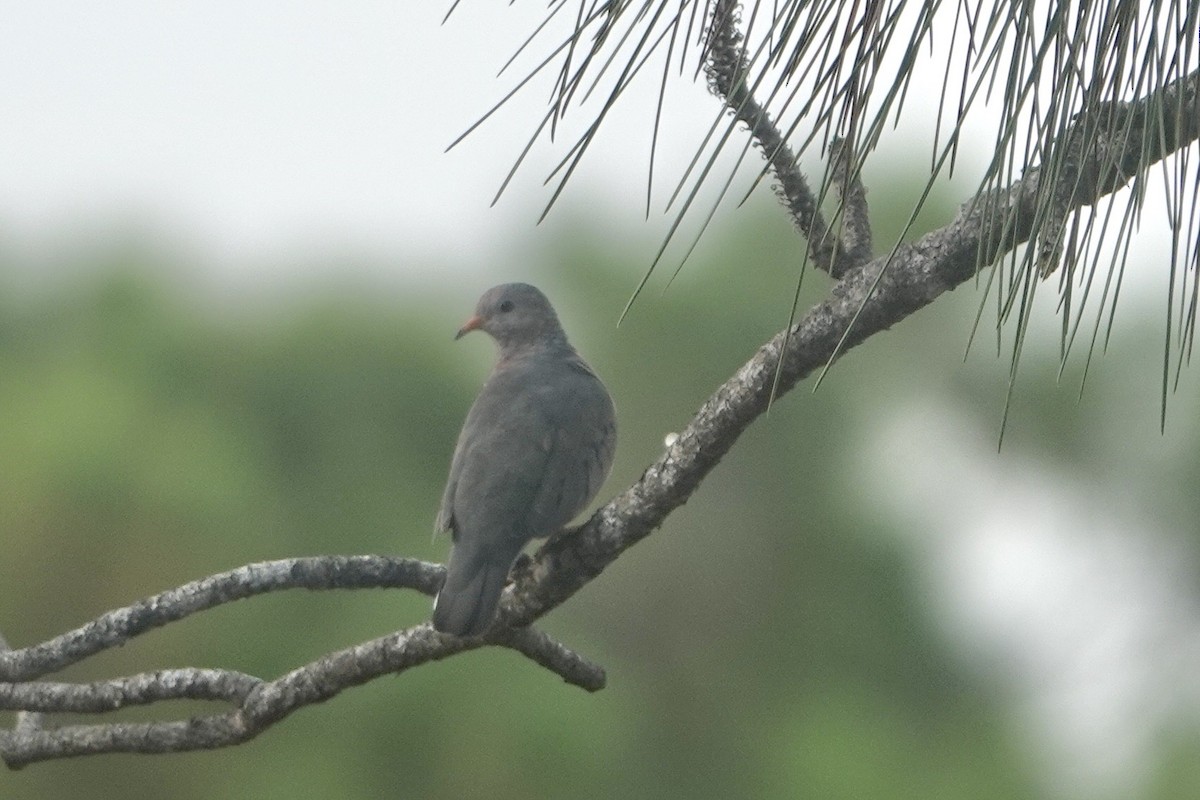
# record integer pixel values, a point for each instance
(533, 451)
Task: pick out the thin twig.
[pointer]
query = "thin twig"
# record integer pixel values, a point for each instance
(552, 655)
(853, 226)
(727, 69)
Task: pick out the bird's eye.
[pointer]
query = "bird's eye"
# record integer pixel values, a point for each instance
(506, 306)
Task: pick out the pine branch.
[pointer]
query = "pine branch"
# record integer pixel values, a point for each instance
(727, 69)
(866, 302)
(834, 248)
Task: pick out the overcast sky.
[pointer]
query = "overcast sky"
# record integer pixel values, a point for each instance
(251, 130)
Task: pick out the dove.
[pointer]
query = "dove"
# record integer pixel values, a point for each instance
(535, 447)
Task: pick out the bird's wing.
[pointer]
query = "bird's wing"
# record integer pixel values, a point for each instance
(580, 453)
(445, 515)
(533, 452)
(500, 463)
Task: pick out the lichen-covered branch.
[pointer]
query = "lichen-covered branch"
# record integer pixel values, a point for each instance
(726, 67)
(541, 649)
(835, 248)
(119, 626)
(853, 226)
(867, 301)
(133, 690)
(256, 704)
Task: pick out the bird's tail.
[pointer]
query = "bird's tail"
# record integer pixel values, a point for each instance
(467, 602)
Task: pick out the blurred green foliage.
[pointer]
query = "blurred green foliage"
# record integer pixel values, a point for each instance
(772, 640)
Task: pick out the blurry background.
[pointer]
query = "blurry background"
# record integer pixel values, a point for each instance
(232, 257)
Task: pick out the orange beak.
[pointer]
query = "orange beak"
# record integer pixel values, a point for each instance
(473, 324)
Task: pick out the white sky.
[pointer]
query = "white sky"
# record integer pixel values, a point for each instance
(251, 130)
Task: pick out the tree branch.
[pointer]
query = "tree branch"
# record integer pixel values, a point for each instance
(726, 67)
(117, 627)
(133, 690)
(834, 248)
(257, 704)
(868, 300)
(854, 224)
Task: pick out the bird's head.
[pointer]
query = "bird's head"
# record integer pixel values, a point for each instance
(516, 315)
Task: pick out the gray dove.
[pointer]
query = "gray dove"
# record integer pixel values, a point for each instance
(534, 449)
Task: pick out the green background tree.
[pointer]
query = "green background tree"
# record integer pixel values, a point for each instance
(780, 635)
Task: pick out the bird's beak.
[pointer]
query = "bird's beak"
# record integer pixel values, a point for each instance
(473, 324)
